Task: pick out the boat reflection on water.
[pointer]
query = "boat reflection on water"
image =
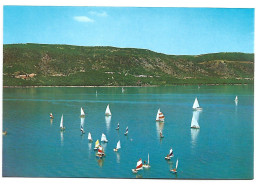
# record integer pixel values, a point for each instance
(108, 121)
(82, 121)
(117, 157)
(195, 128)
(139, 176)
(100, 162)
(90, 146)
(61, 138)
(51, 121)
(194, 134)
(159, 129)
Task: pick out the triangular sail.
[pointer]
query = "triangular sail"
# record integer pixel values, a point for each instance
(177, 164)
(196, 104)
(118, 145)
(148, 158)
(97, 144)
(82, 113)
(108, 112)
(89, 136)
(195, 119)
(236, 99)
(139, 165)
(103, 137)
(126, 130)
(61, 122)
(171, 153)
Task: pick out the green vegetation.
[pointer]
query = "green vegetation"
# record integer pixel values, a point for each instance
(66, 65)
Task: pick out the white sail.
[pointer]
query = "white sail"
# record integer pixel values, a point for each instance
(82, 113)
(157, 116)
(108, 112)
(196, 104)
(89, 136)
(61, 122)
(103, 137)
(148, 158)
(195, 119)
(177, 164)
(118, 146)
(236, 99)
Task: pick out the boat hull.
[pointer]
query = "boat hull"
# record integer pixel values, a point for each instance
(195, 127)
(160, 120)
(146, 166)
(107, 114)
(134, 171)
(167, 158)
(99, 156)
(173, 171)
(115, 150)
(198, 109)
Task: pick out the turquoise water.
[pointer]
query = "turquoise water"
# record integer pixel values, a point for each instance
(221, 149)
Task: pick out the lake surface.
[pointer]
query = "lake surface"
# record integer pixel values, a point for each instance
(221, 149)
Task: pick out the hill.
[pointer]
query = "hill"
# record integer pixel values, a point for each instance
(67, 65)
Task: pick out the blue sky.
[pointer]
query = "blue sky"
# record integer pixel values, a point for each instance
(167, 30)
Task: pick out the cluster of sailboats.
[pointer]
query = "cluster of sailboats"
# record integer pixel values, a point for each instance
(159, 118)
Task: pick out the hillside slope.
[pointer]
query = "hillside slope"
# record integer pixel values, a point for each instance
(42, 64)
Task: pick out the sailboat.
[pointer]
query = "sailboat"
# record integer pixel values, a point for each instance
(108, 112)
(89, 137)
(175, 169)
(101, 152)
(82, 113)
(123, 90)
(96, 145)
(126, 131)
(236, 99)
(51, 116)
(118, 146)
(196, 105)
(104, 138)
(170, 155)
(195, 119)
(117, 128)
(139, 166)
(147, 165)
(61, 124)
(159, 116)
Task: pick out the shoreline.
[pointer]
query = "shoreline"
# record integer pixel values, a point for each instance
(126, 86)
